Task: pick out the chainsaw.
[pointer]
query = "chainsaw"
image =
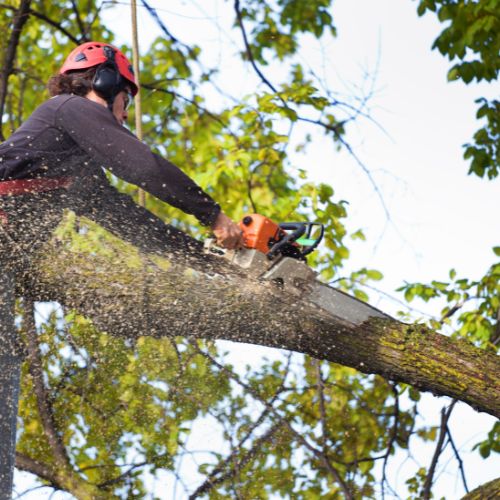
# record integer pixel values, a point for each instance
(277, 253)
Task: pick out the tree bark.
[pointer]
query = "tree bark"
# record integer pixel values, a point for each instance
(129, 294)
(488, 491)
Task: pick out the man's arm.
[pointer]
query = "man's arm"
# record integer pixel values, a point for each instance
(98, 133)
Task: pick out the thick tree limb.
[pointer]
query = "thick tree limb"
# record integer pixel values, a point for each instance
(216, 302)
(488, 491)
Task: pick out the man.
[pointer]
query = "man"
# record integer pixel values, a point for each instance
(55, 160)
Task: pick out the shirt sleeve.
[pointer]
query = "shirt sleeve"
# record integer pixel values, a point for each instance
(97, 132)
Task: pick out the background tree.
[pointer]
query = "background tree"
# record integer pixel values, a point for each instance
(108, 411)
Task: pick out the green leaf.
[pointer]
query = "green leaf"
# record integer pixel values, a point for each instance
(414, 394)
(375, 275)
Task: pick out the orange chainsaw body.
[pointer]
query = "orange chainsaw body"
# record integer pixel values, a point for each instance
(259, 232)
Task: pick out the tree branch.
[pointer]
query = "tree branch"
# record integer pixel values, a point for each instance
(224, 308)
(43, 471)
(392, 438)
(319, 455)
(335, 129)
(19, 21)
(248, 48)
(324, 432)
(445, 416)
(78, 17)
(458, 457)
(488, 491)
(48, 20)
(214, 478)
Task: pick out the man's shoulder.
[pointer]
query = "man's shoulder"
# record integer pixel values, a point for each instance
(68, 102)
(69, 107)
(56, 101)
(51, 106)
(65, 101)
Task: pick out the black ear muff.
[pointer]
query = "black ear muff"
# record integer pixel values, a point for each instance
(107, 81)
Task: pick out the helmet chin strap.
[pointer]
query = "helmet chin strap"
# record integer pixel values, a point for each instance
(111, 101)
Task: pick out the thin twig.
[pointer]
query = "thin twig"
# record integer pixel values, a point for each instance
(392, 438)
(78, 17)
(445, 415)
(320, 386)
(458, 457)
(212, 479)
(248, 48)
(335, 129)
(85, 33)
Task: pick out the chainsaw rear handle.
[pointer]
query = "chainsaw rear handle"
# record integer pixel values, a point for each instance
(298, 229)
(311, 245)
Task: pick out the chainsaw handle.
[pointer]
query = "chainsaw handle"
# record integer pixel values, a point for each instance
(298, 228)
(310, 248)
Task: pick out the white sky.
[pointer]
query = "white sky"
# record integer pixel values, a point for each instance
(442, 218)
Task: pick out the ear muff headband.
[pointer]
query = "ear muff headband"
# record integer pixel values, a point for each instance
(107, 81)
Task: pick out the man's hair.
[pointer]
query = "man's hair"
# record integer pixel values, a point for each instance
(76, 83)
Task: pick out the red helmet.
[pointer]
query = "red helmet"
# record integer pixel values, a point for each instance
(92, 54)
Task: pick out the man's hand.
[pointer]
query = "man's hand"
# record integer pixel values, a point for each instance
(227, 233)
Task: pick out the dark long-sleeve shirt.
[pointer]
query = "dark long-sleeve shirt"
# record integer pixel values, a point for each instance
(73, 136)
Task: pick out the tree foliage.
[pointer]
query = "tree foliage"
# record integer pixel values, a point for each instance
(100, 414)
(471, 40)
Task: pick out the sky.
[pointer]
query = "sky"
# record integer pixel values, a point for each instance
(439, 216)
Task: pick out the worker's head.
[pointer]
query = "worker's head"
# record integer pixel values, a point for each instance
(100, 72)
